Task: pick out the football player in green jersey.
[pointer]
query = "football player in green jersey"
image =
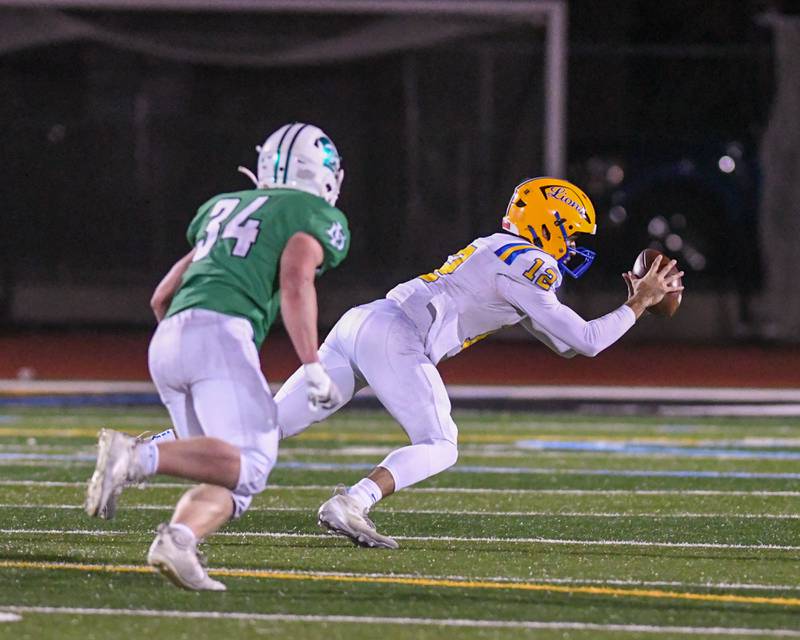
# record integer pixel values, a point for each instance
(252, 252)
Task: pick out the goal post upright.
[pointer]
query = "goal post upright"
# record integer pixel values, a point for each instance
(552, 14)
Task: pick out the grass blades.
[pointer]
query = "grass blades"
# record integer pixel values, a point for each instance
(686, 529)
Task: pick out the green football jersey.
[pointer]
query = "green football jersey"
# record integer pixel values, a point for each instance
(238, 240)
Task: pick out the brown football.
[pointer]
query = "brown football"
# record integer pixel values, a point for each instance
(670, 302)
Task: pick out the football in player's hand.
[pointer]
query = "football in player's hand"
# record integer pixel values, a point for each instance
(670, 302)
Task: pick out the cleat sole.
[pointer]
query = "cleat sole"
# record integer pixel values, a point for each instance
(165, 570)
(359, 539)
(95, 506)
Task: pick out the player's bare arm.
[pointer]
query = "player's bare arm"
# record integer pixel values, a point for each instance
(650, 289)
(169, 284)
(299, 261)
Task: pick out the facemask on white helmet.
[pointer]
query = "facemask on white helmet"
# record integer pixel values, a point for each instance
(299, 156)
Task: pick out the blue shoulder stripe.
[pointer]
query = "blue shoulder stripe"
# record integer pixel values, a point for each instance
(507, 246)
(514, 254)
(509, 252)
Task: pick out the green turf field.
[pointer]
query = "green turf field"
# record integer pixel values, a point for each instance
(548, 527)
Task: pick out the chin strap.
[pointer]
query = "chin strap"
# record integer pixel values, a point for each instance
(249, 174)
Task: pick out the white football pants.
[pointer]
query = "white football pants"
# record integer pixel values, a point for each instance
(206, 368)
(377, 345)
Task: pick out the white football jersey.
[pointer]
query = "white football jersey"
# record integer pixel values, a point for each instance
(498, 281)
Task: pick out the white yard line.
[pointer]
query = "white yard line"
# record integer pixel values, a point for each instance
(458, 490)
(456, 512)
(431, 622)
(53, 483)
(490, 540)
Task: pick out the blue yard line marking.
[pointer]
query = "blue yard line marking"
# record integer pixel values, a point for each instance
(360, 466)
(69, 400)
(64, 457)
(657, 449)
(636, 473)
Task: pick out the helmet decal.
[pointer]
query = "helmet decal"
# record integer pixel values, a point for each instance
(332, 160)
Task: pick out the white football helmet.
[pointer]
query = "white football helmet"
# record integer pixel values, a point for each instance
(299, 156)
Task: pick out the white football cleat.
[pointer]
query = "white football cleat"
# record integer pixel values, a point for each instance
(174, 553)
(343, 516)
(116, 467)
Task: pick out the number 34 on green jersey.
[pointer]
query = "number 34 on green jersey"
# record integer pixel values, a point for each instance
(243, 230)
(238, 240)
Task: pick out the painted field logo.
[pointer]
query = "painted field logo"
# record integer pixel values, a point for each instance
(337, 235)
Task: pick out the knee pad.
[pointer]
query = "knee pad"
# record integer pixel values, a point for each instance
(254, 468)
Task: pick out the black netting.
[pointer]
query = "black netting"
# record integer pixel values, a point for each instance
(112, 142)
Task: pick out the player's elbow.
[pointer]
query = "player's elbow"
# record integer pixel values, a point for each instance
(586, 348)
(590, 342)
(294, 279)
(156, 301)
(159, 304)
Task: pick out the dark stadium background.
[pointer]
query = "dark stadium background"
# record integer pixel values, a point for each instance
(107, 152)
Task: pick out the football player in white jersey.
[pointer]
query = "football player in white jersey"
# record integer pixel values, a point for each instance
(394, 344)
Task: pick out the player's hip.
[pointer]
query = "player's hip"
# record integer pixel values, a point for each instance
(379, 327)
(198, 344)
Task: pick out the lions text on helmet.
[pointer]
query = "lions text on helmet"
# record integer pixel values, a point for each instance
(299, 156)
(549, 212)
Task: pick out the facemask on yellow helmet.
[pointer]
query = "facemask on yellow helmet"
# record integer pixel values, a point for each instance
(548, 212)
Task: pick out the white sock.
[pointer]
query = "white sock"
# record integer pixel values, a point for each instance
(366, 493)
(147, 458)
(185, 534)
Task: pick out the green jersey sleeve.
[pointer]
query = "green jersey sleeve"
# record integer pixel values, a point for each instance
(330, 228)
(197, 224)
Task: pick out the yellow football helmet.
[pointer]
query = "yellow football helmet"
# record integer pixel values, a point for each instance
(548, 212)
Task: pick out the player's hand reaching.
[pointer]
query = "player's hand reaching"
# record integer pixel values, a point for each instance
(322, 392)
(653, 286)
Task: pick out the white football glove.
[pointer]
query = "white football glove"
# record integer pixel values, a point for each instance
(322, 392)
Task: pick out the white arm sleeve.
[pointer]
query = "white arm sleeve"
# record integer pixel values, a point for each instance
(551, 342)
(560, 324)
